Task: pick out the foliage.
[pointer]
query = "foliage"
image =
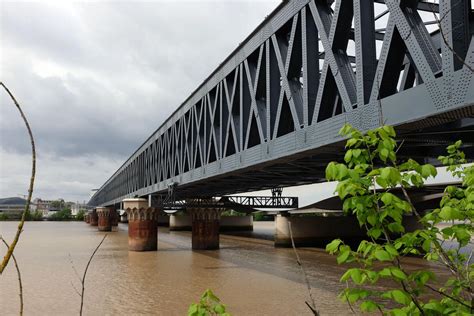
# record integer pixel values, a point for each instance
(57, 204)
(3, 217)
(209, 304)
(232, 213)
(35, 216)
(260, 216)
(80, 215)
(371, 162)
(62, 215)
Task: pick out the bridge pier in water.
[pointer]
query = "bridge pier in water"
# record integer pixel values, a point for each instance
(142, 225)
(205, 224)
(105, 215)
(93, 219)
(114, 219)
(316, 230)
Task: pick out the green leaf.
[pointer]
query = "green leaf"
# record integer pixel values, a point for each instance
(346, 275)
(343, 256)
(368, 306)
(356, 153)
(382, 255)
(399, 274)
(348, 155)
(391, 250)
(342, 171)
(351, 142)
(387, 198)
(396, 227)
(385, 174)
(356, 276)
(384, 154)
(428, 170)
(219, 309)
(389, 130)
(448, 213)
(401, 297)
(345, 130)
(398, 312)
(193, 310)
(385, 272)
(331, 171)
(374, 232)
(333, 245)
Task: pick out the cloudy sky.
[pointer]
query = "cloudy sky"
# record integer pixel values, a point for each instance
(96, 78)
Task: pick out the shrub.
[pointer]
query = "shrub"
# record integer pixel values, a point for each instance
(371, 162)
(208, 305)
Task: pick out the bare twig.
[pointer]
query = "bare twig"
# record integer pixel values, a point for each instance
(311, 306)
(446, 43)
(19, 277)
(83, 281)
(447, 295)
(347, 299)
(12, 246)
(74, 268)
(75, 289)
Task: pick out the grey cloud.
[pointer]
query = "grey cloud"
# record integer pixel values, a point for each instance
(96, 79)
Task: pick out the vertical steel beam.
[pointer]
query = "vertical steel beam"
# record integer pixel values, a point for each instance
(366, 63)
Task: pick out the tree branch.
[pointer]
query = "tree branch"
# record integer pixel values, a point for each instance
(308, 285)
(10, 250)
(19, 277)
(85, 274)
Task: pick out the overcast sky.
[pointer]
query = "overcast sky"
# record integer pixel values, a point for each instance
(96, 78)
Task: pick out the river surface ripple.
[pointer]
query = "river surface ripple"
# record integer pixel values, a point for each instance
(249, 275)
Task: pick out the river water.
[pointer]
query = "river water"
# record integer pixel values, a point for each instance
(249, 275)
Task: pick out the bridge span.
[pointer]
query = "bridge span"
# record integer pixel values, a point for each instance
(269, 115)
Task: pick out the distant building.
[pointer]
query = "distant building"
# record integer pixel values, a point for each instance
(13, 207)
(45, 206)
(76, 207)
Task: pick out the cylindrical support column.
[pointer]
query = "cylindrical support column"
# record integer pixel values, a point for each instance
(205, 227)
(93, 219)
(87, 218)
(142, 225)
(104, 218)
(114, 219)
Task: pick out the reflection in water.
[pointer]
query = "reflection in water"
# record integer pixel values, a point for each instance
(249, 275)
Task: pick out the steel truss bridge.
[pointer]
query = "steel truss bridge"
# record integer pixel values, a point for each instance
(269, 115)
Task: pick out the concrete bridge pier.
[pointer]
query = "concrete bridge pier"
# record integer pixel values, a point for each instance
(93, 218)
(114, 219)
(87, 218)
(142, 225)
(316, 230)
(205, 227)
(104, 214)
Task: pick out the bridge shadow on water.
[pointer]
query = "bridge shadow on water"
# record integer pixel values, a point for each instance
(244, 250)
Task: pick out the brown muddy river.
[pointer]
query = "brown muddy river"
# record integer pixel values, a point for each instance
(249, 275)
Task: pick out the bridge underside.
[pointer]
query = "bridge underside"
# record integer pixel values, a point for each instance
(270, 114)
(423, 144)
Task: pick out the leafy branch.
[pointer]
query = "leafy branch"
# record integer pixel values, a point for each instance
(368, 182)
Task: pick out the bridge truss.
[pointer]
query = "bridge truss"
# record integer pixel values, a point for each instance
(270, 113)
